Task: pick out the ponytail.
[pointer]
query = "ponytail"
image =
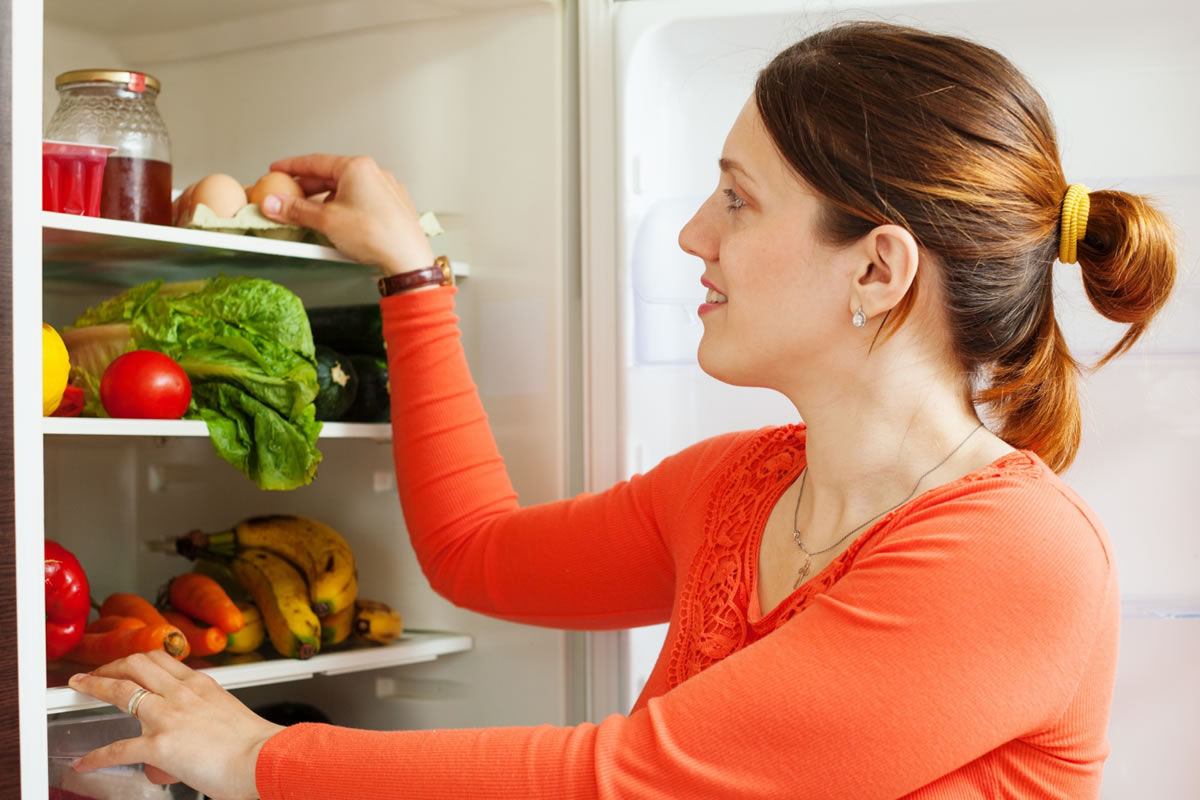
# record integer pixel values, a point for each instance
(1032, 394)
(1127, 260)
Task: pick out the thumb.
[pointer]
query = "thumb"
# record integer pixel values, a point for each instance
(156, 775)
(294, 210)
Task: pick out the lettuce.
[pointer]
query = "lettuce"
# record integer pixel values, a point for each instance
(247, 348)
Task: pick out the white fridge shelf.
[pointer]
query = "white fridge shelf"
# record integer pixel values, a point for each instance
(99, 426)
(92, 250)
(413, 647)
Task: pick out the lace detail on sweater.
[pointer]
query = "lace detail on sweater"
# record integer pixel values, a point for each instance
(713, 619)
(713, 608)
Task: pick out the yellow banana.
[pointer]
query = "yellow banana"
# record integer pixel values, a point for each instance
(377, 622)
(251, 635)
(226, 658)
(219, 571)
(282, 598)
(317, 549)
(336, 628)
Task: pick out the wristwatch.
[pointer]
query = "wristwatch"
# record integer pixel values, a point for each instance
(439, 274)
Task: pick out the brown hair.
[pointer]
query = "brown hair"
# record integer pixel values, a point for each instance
(948, 139)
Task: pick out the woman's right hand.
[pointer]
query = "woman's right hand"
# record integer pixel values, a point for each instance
(367, 214)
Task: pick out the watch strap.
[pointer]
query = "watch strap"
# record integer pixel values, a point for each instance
(439, 274)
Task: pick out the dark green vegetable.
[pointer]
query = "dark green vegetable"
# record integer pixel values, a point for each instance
(248, 352)
(337, 383)
(349, 329)
(373, 403)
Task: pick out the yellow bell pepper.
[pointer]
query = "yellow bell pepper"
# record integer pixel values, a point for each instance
(56, 368)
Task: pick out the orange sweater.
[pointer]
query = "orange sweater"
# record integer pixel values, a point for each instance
(963, 647)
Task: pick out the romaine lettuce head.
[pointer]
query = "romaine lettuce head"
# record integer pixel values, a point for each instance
(247, 348)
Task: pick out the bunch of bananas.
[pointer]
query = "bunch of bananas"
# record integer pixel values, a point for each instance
(301, 577)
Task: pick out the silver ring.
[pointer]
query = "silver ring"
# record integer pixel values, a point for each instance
(135, 701)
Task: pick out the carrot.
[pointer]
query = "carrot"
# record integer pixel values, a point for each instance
(202, 598)
(203, 641)
(124, 604)
(113, 623)
(100, 648)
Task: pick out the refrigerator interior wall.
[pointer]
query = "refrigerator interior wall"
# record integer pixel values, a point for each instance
(437, 103)
(1121, 87)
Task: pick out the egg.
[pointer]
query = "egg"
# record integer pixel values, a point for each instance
(274, 183)
(221, 193)
(181, 209)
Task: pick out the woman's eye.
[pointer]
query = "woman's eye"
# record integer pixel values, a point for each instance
(735, 202)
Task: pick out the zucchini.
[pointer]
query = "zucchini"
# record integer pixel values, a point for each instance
(373, 401)
(349, 329)
(337, 383)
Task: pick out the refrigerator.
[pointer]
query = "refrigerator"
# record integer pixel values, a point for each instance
(562, 145)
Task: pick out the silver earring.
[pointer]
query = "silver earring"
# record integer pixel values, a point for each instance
(859, 319)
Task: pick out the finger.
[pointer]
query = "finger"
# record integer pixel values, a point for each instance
(124, 751)
(114, 691)
(295, 210)
(156, 775)
(312, 185)
(159, 675)
(314, 165)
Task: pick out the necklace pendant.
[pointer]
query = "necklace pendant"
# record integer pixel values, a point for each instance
(803, 573)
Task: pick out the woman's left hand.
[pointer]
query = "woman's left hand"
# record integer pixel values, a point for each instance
(192, 730)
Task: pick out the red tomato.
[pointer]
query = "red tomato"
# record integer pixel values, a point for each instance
(145, 384)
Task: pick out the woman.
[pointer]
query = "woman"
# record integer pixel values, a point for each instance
(891, 600)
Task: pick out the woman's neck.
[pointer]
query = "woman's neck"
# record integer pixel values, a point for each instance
(887, 432)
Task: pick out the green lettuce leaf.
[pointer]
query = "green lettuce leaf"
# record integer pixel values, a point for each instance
(247, 348)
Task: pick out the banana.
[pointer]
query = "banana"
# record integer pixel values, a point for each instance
(227, 659)
(336, 628)
(251, 635)
(377, 622)
(219, 571)
(317, 549)
(279, 592)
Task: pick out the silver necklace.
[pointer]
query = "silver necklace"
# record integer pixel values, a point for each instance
(806, 567)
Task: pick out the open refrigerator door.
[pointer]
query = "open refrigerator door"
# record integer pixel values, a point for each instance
(1119, 81)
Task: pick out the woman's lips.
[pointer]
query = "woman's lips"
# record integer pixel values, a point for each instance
(713, 300)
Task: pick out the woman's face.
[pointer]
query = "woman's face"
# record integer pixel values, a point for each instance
(777, 295)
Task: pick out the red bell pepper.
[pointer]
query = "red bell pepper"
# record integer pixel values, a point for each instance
(72, 403)
(68, 600)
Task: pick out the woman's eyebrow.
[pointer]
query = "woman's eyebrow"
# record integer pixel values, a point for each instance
(729, 165)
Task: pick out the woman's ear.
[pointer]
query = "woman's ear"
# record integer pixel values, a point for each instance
(890, 257)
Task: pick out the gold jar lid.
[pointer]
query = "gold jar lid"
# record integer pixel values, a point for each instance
(134, 81)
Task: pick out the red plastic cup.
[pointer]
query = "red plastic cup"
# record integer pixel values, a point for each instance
(72, 176)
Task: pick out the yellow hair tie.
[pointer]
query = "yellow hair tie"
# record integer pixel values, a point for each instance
(1074, 222)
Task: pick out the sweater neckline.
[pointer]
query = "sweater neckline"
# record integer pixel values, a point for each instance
(1014, 460)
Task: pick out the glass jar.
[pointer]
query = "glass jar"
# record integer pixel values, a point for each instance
(117, 108)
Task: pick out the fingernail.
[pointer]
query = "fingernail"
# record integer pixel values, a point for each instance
(75, 764)
(271, 204)
(75, 679)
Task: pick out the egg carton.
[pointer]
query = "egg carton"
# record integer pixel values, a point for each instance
(249, 221)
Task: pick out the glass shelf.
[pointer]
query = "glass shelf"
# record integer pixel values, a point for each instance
(412, 648)
(1161, 607)
(94, 251)
(98, 426)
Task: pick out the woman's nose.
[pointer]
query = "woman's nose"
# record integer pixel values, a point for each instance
(697, 236)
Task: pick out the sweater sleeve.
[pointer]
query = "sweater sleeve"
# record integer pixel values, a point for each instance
(966, 628)
(593, 562)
